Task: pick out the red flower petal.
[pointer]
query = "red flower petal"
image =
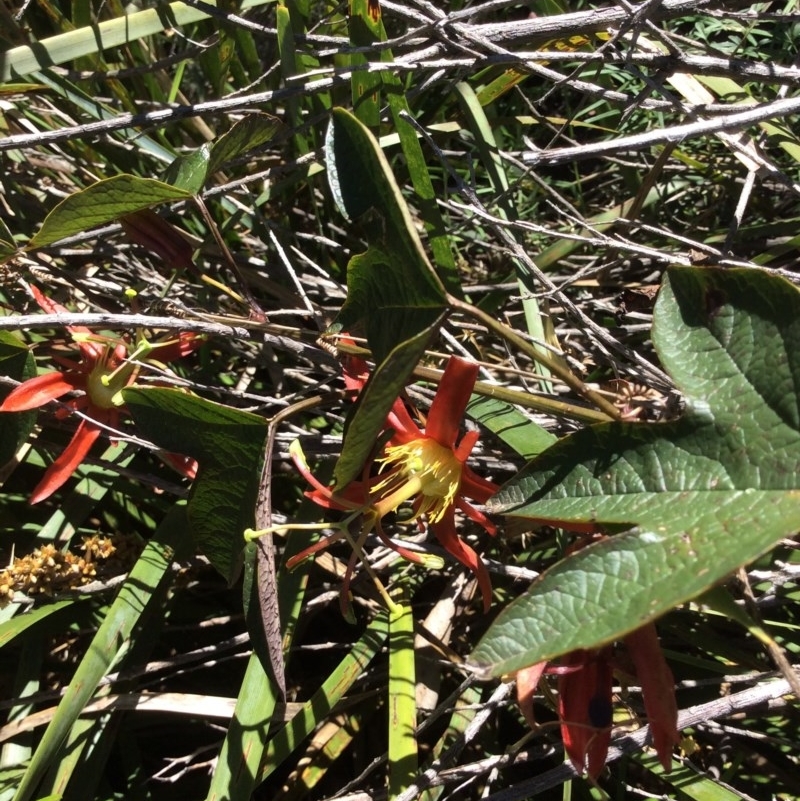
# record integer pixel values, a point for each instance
(50, 306)
(476, 516)
(90, 350)
(35, 392)
(186, 343)
(356, 372)
(658, 690)
(450, 403)
(445, 531)
(466, 445)
(475, 486)
(63, 467)
(527, 682)
(584, 706)
(404, 426)
(185, 465)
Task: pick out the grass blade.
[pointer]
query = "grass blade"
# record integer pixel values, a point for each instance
(126, 612)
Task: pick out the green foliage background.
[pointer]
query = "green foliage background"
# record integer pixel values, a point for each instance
(453, 179)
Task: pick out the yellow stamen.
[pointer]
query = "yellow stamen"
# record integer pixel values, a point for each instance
(421, 468)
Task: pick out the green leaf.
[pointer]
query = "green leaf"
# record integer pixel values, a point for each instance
(10, 629)
(240, 756)
(188, 173)
(101, 36)
(383, 296)
(509, 424)
(228, 445)
(16, 361)
(402, 750)
(70, 93)
(250, 132)
(5, 233)
(708, 493)
(392, 287)
(365, 28)
(102, 203)
(315, 710)
(374, 402)
(7, 250)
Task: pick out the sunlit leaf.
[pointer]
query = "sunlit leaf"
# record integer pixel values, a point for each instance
(100, 36)
(392, 288)
(189, 172)
(129, 609)
(10, 629)
(509, 424)
(393, 291)
(102, 203)
(707, 493)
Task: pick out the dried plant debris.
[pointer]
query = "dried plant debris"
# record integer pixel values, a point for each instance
(48, 571)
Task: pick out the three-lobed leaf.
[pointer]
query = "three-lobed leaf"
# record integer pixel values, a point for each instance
(707, 493)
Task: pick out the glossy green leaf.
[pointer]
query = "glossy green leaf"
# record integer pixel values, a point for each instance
(236, 772)
(315, 710)
(402, 749)
(228, 444)
(240, 756)
(508, 423)
(16, 361)
(707, 493)
(102, 203)
(191, 171)
(393, 291)
(687, 781)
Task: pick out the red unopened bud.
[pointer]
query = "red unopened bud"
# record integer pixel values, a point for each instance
(527, 682)
(658, 690)
(584, 706)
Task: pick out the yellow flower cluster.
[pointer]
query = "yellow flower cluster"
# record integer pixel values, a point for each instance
(48, 571)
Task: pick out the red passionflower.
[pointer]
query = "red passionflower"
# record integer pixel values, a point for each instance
(424, 468)
(585, 681)
(106, 366)
(431, 468)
